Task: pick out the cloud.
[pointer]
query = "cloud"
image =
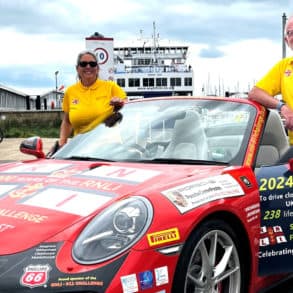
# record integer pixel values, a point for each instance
(211, 53)
(40, 37)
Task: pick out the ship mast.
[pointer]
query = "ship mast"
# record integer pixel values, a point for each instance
(155, 60)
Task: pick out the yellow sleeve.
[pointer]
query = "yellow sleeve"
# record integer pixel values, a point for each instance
(117, 91)
(65, 102)
(271, 82)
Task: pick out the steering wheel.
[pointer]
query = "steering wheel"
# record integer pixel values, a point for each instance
(141, 149)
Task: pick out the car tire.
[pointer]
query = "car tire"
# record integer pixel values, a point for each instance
(212, 261)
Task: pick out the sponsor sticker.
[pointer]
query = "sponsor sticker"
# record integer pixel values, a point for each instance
(271, 236)
(35, 275)
(4, 188)
(67, 201)
(165, 236)
(146, 280)
(193, 194)
(161, 276)
(252, 212)
(128, 175)
(36, 168)
(246, 181)
(129, 283)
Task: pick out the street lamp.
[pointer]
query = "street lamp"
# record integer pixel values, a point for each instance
(284, 20)
(56, 85)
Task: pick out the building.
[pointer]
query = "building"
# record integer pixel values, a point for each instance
(51, 100)
(11, 100)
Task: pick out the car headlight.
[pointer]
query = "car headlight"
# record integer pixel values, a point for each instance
(113, 231)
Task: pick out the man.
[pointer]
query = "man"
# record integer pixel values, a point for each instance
(279, 80)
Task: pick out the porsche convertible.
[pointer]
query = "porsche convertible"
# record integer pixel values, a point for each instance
(183, 195)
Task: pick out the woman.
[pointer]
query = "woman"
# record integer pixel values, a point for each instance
(90, 101)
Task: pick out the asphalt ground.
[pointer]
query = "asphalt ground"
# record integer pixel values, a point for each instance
(9, 149)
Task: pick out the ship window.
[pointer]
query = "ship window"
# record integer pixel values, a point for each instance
(133, 82)
(121, 82)
(175, 81)
(188, 81)
(143, 62)
(161, 82)
(148, 82)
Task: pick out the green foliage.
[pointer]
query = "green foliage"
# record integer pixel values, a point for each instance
(14, 132)
(27, 126)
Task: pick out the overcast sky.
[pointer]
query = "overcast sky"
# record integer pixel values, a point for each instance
(232, 42)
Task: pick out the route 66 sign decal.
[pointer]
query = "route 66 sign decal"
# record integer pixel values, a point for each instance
(35, 275)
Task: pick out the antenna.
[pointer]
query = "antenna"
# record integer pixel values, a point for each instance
(141, 34)
(154, 34)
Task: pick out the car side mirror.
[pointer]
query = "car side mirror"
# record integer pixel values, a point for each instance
(32, 146)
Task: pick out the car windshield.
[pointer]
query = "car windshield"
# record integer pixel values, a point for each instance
(166, 130)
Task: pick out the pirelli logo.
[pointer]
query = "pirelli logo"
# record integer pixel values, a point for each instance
(164, 236)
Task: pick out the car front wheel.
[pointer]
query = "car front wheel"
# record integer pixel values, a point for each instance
(211, 261)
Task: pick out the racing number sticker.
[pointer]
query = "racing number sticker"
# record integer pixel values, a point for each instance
(67, 201)
(102, 55)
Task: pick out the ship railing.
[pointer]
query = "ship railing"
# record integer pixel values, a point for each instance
(151, 55)
(154, 69)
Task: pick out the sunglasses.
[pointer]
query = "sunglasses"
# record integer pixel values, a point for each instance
(85, 63)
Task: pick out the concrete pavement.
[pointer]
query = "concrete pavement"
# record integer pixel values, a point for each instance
(9, 149)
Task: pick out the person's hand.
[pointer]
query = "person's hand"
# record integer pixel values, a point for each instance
(53, 149)
(113, 119)
(117, 104)
(287, 113)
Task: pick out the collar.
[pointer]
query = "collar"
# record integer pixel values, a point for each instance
(91, 87)
(290, 61)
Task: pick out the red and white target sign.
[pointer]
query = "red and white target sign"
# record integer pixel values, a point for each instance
(102, 55)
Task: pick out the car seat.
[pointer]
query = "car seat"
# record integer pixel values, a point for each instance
(188, 139)
(274, 142)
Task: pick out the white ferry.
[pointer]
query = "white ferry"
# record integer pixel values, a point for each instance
(145, 68)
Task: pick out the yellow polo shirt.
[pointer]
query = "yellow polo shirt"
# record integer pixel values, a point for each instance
(279, 80)
(89, 106)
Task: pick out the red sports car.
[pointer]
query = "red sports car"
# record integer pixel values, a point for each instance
(184, 195)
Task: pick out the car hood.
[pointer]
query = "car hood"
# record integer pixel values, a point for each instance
(42, 198)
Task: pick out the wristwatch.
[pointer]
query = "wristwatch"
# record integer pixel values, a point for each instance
(280, 105)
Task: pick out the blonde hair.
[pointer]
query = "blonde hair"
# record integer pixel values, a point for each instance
(86, 52)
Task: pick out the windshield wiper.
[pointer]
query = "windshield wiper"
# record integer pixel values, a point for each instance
(82, 158)
(183, 161)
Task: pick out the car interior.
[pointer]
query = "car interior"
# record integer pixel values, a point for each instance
(192, 146)
(274, 147)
